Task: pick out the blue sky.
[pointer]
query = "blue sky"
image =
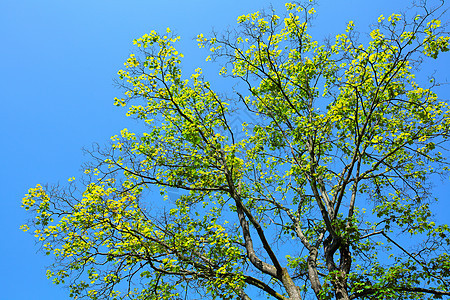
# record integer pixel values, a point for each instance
(58, 62)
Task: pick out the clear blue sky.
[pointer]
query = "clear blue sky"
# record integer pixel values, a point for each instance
(58, 62)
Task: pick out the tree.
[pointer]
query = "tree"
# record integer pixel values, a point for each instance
(323, 192)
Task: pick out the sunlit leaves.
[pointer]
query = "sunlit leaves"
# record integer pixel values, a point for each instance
(332, 161)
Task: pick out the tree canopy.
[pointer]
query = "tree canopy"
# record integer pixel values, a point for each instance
(321, 192)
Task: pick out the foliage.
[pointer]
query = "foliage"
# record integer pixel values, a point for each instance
(322, 192)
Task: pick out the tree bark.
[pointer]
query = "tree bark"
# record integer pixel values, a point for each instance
(312, 272)
(291, 288)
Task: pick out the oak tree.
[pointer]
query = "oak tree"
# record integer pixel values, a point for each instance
(322, 191)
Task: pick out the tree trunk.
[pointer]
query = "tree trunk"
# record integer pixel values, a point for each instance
(340, 287)
(341, 279)
(291, 288)
(312, 272)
